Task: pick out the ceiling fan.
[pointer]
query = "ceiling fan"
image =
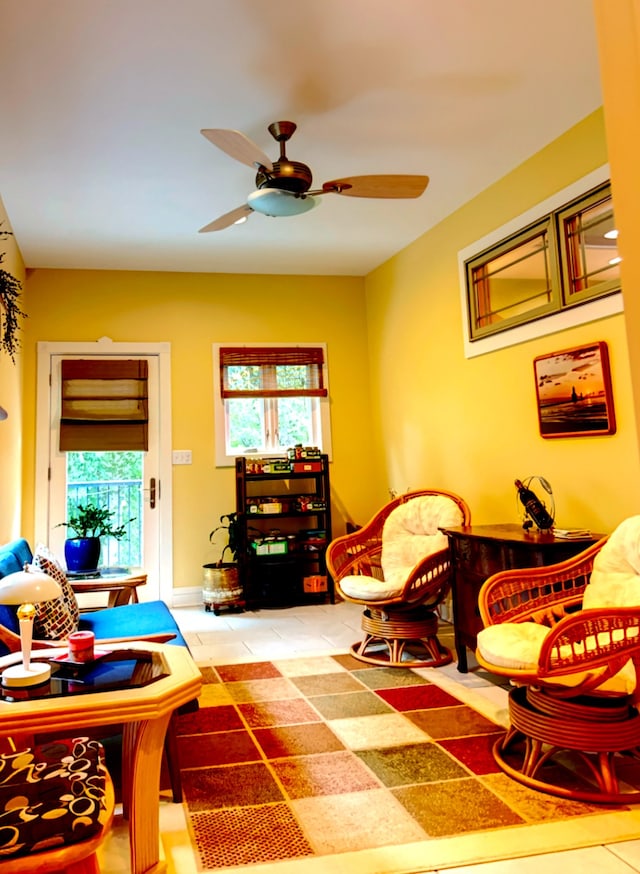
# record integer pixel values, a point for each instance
(283, 186)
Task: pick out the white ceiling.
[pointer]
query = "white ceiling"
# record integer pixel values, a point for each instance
(102, 164)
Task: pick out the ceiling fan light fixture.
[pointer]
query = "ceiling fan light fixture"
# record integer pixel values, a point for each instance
(277, 203)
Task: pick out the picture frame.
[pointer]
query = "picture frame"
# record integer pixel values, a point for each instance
(573, 392)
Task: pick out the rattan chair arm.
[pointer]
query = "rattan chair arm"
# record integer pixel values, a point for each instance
(591, 645)
(351, 555)
(431, 575)
(590, 639)
(541, 594)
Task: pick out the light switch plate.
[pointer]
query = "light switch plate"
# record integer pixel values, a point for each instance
(181, 456)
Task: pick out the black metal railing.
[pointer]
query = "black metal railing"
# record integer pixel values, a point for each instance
(124, 499)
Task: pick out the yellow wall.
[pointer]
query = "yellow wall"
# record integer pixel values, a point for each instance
(192, 311)
(11, 400)
(470, 425)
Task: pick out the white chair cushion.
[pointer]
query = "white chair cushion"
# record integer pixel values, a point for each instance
(512, 644)
(615, 579)
(411, 533)
(517, 645)
(617, 590)
(621, 552)
(368, 589)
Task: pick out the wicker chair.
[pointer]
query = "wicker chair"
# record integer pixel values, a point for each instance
(398, 567)
(570, 645)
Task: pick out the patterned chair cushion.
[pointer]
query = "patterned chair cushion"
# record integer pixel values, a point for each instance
(55, 619)
(51, 795)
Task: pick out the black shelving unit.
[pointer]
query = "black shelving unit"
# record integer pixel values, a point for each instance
(284, 513)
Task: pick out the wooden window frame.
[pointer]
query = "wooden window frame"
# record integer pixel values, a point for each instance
(605, 303)
(312, 354)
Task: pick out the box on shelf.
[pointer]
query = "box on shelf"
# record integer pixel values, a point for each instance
(255, 466)
(270, 546)
(270, 506)
(307, 466)
(301, 451)
(305, 503)
(267, 505)
(315, 583)
(277, 467)
(313, 544)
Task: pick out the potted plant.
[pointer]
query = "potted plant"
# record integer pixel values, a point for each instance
(89, 523)
(221, 584)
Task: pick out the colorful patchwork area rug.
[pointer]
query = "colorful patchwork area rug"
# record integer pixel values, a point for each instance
(300, 760)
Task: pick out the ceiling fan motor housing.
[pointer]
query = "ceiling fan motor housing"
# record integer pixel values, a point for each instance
(287, 175)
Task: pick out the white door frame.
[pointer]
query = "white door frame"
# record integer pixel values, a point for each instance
(105, 346)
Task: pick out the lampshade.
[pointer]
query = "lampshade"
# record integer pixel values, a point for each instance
(28, 587)
(276, 202)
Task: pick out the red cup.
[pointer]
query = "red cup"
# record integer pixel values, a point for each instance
(81, 645)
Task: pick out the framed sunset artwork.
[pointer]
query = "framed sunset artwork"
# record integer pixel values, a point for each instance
(573, 391)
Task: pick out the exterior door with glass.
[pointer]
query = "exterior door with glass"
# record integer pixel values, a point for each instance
(134, 484)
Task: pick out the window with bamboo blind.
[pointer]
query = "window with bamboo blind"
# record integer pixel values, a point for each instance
(269, 397)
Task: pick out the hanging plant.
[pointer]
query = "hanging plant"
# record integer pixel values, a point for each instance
(10, 312)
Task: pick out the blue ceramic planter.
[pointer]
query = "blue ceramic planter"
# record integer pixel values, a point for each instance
(82, 553)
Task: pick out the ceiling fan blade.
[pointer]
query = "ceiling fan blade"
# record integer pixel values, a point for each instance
(238, 146)
(378, 186)
(229, 218)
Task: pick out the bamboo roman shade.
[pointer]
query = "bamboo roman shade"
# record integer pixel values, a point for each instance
(104, 405)
(271, 373)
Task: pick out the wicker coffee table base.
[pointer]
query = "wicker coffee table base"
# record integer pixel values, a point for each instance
(401, 639)
(596, 735)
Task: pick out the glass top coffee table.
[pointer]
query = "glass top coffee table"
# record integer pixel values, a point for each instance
(110, 669)
(145, 711)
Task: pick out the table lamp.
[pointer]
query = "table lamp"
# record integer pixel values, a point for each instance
(26, 588)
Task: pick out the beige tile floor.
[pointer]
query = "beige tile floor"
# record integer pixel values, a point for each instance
(318, 630)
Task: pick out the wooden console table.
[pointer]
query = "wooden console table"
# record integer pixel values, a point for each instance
(478, 551)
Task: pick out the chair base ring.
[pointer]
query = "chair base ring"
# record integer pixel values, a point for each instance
(596, 746)
(401, 639)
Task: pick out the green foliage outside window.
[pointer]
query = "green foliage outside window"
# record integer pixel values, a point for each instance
(112, 480)
(290, 417)
(99, 466)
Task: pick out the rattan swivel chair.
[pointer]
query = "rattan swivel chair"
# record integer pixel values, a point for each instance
(567, 636)
(398, 567)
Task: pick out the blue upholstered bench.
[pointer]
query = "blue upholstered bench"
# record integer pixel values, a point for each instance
(131, 620)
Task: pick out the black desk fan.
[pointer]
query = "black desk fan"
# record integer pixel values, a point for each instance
(535, 510)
